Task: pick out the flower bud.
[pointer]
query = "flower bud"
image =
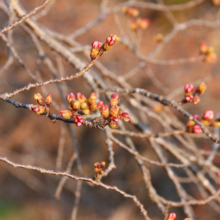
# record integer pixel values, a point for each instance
(201, 88)
(203, 47)
(93, 107)
(208, 115)
(116, 118)
(114, 99)
(38, 97)
(113, 125)
(84, 105)
(196, 99)
(37, 109)
(92, 98)
(133, 12)
(66, 114)
(143, 23)
(189, 98)
(74, 105)
(125, 116)
(85, 111)
(114, 110)
(78, 120)
(197, 129)
(48, 100)
(158, 38)
(101, 172)
(97, 165)
(70, 97)
(102, 164)
(96, 46)
(210, 58)
(171, 216)
(100, 104)
(81, 98)
(133, 25)
(96, 170)
(104, 111)
(109, 42)
(189, 89)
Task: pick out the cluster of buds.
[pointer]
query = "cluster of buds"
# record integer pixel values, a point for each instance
(80, 103)
(158, 38)
(192, 94)
(112, 112)
(132, 12)
(171, 216)
(141, 23)
(216, 2)
(96, 46)
(207, 120)
(208, 52)
(43, 104)
(98, 170)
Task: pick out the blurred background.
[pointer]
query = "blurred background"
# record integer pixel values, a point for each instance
(159, 67)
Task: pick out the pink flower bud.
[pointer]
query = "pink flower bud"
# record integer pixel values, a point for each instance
(37, 109)
(84, 105)
(203, 47)
(197, 129)
(189, 98)
(97, 45)
(110, 40)
(104, 111)
(196, 100)
(100, 104)
(66, 114)
(125, 116)
(81, 98)
(113, 125)
(171, 216)
(189, 88)
(48, 100)
(208, 115)
(78, 120)
(196, 117)
(116, 118)
(70, 97)
(143, 23)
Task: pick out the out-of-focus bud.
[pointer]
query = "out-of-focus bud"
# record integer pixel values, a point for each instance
(197, 129)
(116, 118)
(218, 174)
(92, 98)
(189, 89)
(84, 105)
(171, 216)
(133, 12)
(113, 125)
(102, 164)
(208, 115)
(117, 38)
(38, 97)
(78, 120)
(81, 98)
(216, 2)
(210, 58)
(37, 109)
(104, 111)
(70, 97)
(196, 99)
(100, 104)
(93, 107)
(114, 99)
(203, 47)
(85, 111)
(66, 114)
(48, 100)
(132, 25)
(143, 23)
(158, 38)
(96, 46)
(114, 110)
(189, 98)
(75, 105)
(125, 116)
(191, 122)
(201, 88)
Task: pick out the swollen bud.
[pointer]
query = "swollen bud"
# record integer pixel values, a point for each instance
(48, 100)
(66, 114)
(37, 109)
(70, 97)
(114, 99)
(125, 116)
(171, 216)
(104, 111)
(81, 98)
(113, 125)
(38, 97)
